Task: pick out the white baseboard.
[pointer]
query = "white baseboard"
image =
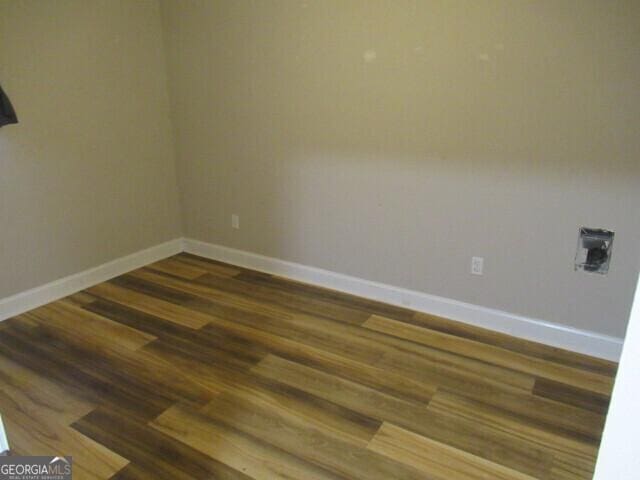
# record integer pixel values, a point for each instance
(582, 341)
(36, 297)
(568, 338)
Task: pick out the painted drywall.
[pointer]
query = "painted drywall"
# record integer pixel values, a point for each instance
(89, 174)
(619, 456)
(393, 140)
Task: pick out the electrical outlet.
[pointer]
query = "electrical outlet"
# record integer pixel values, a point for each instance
(235, 221)
(477, 265)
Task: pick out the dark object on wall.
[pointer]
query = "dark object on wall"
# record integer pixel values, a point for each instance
(7, 113)
(594, 250)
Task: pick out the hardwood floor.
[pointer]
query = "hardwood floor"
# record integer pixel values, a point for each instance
(193, 369)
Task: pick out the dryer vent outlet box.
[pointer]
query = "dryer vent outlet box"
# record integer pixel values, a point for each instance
(594, 250)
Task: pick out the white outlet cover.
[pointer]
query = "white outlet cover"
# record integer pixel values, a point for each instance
(477, 265)
(235, 221)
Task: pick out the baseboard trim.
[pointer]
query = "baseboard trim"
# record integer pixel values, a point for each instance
(50, 292)
(568, 338)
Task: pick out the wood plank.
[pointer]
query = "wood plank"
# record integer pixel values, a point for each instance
(289, 348)
(66, 365)
(152, 453)
(90, 459)
(239, 451)
(326, 294)
(97, 331)
(352, 395)
(117, 364)
(291, 433)
(153, 306)
(564, 469)
(37, 396)
(347, 340)
(436, 460)
(34, 434)
(411, 415)
(569, 395)
(23, 322)
(353, 427)
(492, 355)
(174, 266)
(242, 297)
(453, 404)
(80, 299)
(378, 378)
(570, 453)
(274, 296)
(555, 415)
(211, 266)
(203, 291)
(210, 345)
(526, 347)
(148, 373)
(135, 472)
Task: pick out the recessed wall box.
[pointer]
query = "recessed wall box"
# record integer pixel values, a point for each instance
(594, 250)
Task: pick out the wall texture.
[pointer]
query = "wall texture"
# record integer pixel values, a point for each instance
(88, 175)
(394, 139)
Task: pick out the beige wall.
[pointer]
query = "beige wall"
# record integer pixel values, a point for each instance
(88, 175)
(390, 140)
(489, 128)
